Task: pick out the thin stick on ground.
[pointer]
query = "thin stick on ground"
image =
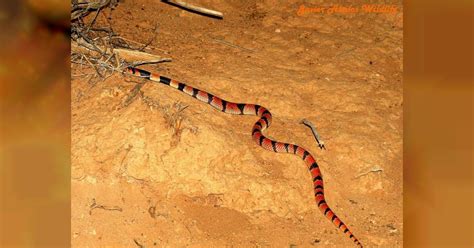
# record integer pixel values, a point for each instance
(195, 8)
(93, 66)
(375, 169)
(315, 133)
(156, 61)
(94, 205)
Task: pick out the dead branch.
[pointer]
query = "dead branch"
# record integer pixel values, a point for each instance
(82, 8)
(156, 61)
(195, 8)
(143, 57)
(100, 48)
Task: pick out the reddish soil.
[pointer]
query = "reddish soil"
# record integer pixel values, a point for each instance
(170, 171)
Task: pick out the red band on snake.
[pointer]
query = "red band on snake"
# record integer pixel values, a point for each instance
(257, 135)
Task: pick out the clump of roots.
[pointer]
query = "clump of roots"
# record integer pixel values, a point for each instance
(95, 45)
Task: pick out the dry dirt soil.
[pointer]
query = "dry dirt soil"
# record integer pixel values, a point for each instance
(170, 171)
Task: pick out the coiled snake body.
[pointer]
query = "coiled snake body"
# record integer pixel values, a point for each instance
(257, 135)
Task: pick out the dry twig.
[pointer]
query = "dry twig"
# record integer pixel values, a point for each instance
(315, 133)
(138, 244)
(82, 8)
(375, 169)
(94, 205)
(195, 8)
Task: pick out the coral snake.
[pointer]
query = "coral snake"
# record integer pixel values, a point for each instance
(257, 135)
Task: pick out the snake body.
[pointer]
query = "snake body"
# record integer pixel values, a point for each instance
(257, 135)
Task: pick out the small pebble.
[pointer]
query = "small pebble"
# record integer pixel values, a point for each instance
(277, 30)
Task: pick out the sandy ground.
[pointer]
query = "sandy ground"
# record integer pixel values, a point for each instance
(169, 171)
